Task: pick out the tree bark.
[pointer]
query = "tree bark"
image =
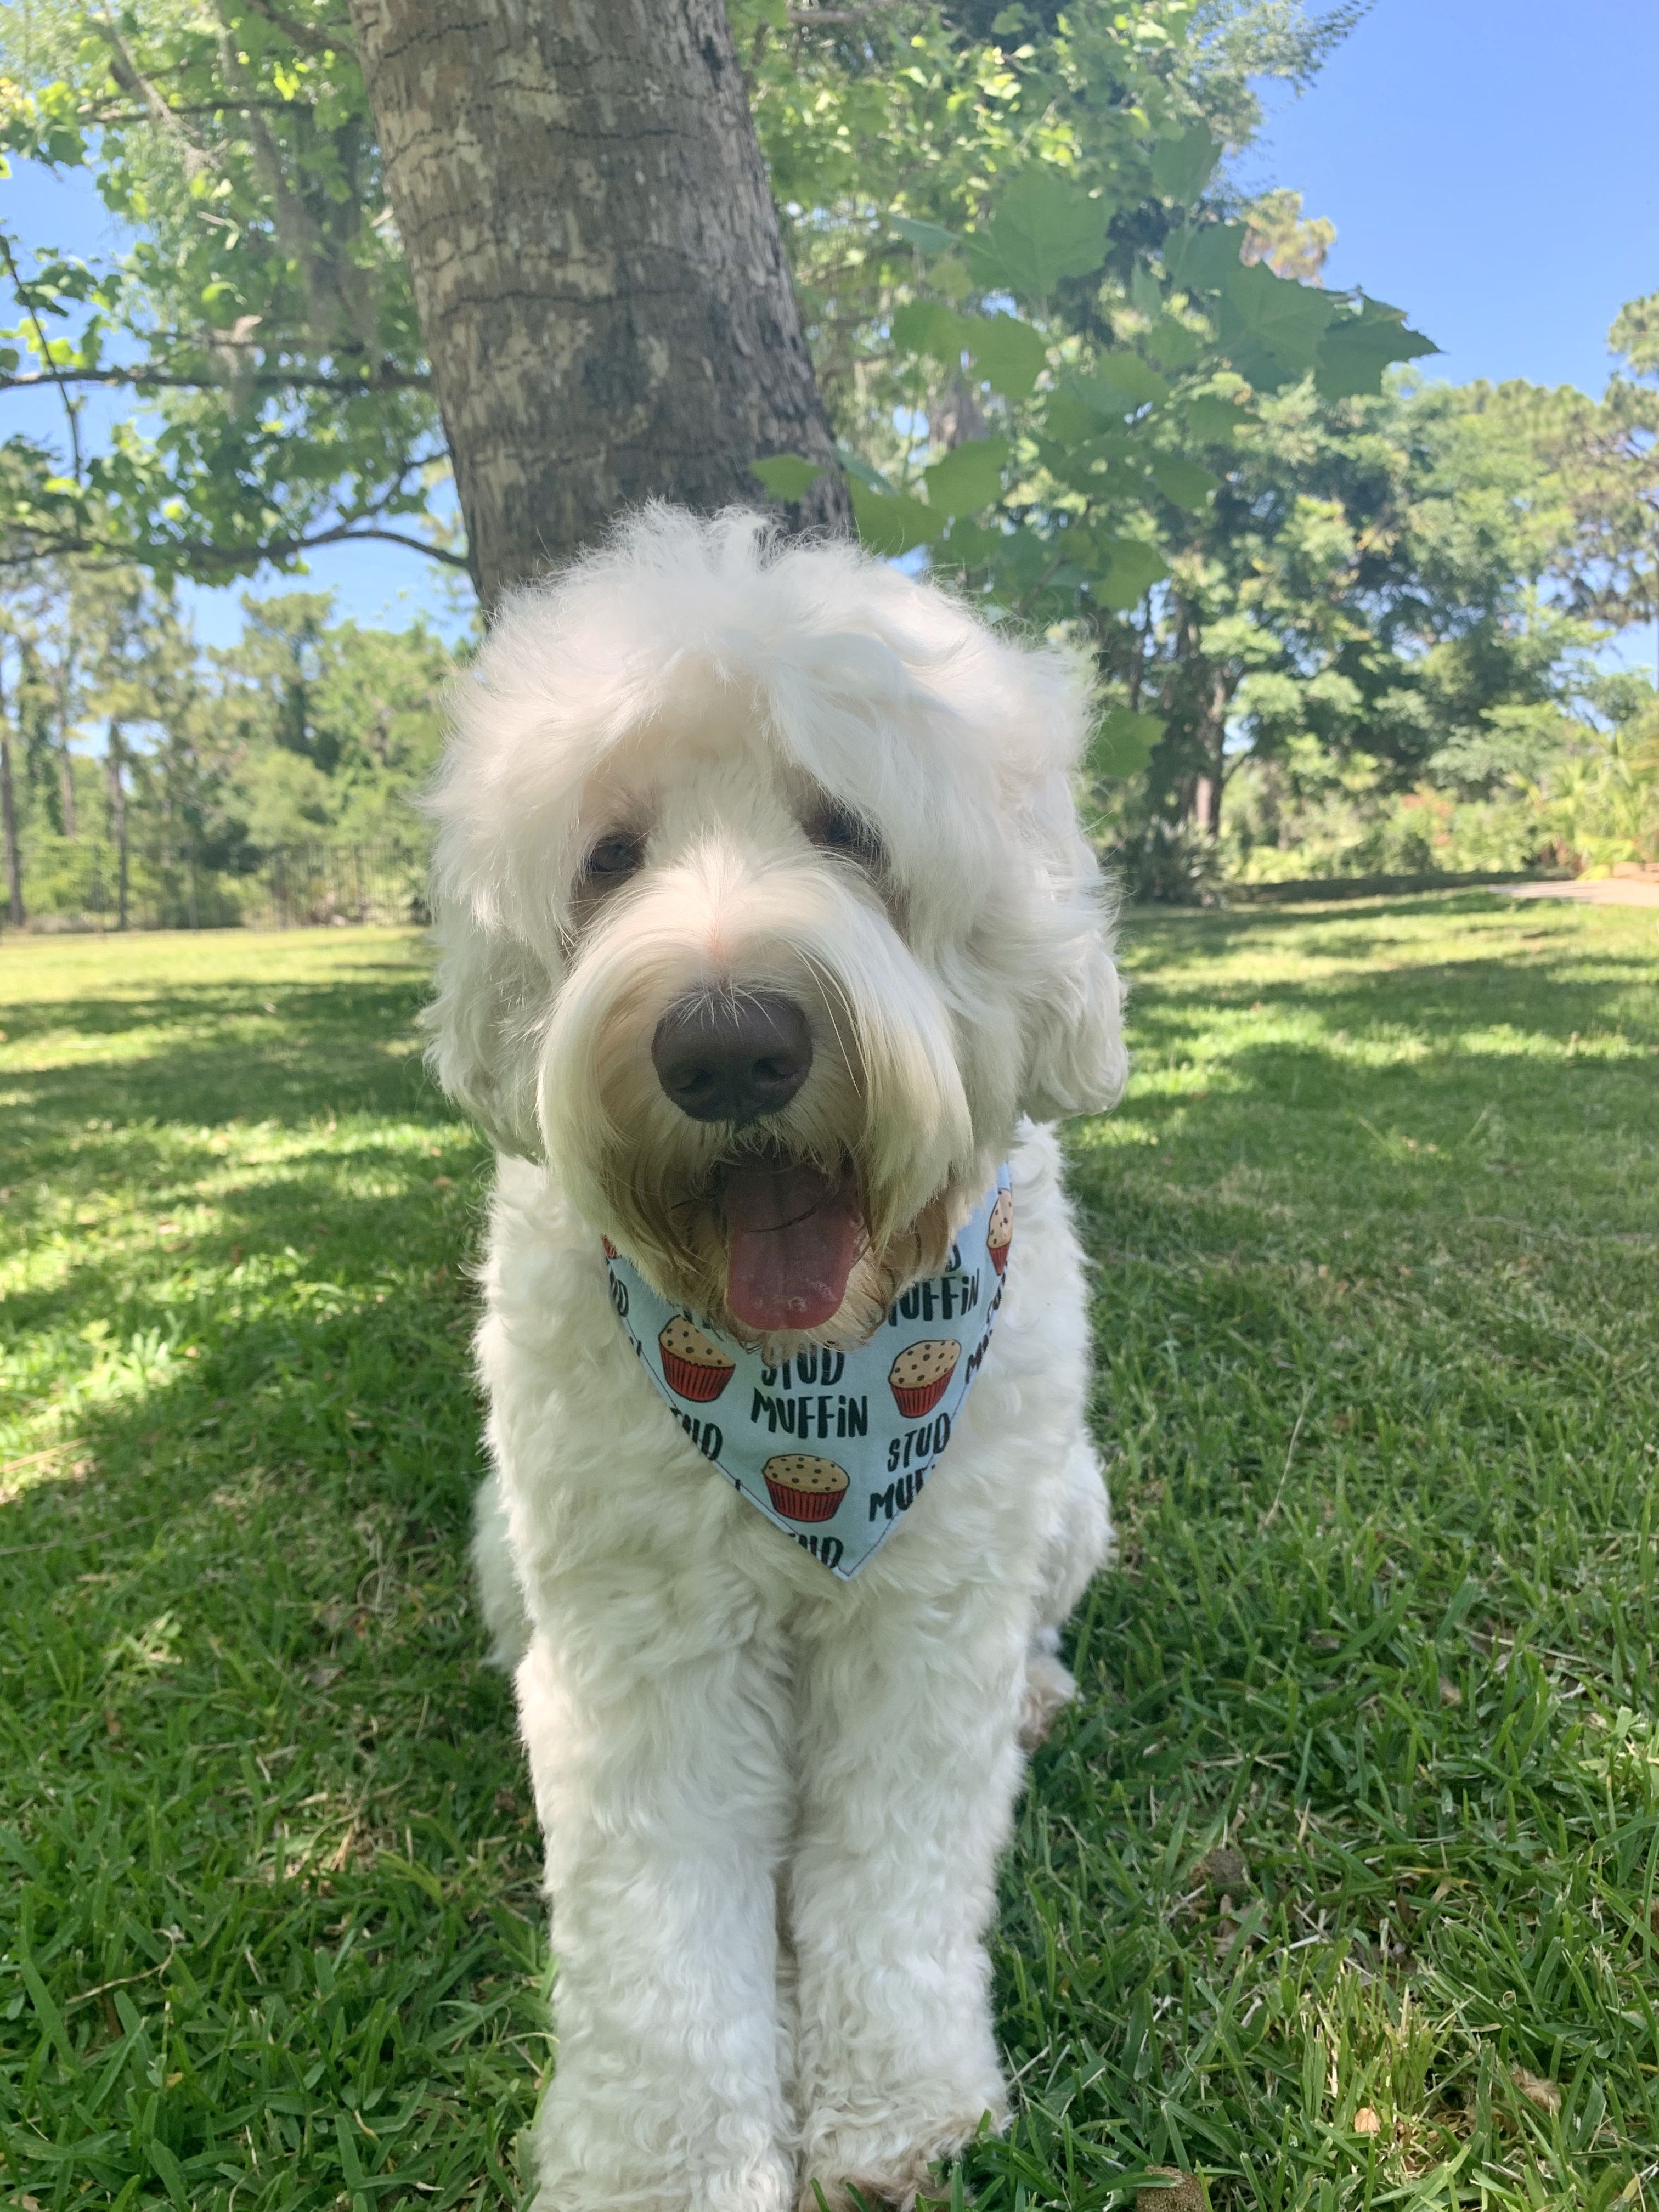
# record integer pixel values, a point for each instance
(1213, 736)
(113, 765)
(596, 263)
(66, 788)
(9, 819)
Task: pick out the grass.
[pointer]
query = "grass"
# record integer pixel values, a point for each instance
(1339, 1887)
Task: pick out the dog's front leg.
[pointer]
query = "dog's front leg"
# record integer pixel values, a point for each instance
(660, 1785)
(911, 1764)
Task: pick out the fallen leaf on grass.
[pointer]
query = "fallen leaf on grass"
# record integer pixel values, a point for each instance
(1186, 2193)
(1366, 2122)
(1536, 2090)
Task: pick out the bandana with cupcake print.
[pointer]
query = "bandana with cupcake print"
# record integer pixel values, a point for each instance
(832, 1447)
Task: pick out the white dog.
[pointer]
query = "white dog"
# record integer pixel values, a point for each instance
(769, 937)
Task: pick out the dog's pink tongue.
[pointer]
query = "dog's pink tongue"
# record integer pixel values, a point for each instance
(793, 1236)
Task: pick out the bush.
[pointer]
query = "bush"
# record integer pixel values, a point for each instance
(1592, 807)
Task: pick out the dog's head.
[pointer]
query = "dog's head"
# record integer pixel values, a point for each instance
(765, 914)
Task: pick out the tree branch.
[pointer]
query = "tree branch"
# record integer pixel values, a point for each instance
(230, 557)
(304, 379)
(805, 18)
(148, 114)
(302, 35)
(123, 68)
(52, 373)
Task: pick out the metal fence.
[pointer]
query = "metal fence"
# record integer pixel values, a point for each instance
(76, 883)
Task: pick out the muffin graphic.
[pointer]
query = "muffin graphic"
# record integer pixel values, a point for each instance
(805, 1488)
(920, 1374)
(999, 1235)
(692, 1367)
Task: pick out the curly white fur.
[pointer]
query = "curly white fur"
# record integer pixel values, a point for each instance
(773, 1802)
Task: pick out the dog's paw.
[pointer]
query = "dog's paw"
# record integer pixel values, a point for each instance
(887, 2171)
(1048, 1686)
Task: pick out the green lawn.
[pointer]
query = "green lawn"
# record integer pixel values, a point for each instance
(1340, 1886)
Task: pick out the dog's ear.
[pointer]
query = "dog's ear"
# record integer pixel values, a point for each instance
(492, 997)
(1075, 1059)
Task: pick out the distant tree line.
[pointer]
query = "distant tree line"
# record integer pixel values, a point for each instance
(1055, 356)
(125, 746)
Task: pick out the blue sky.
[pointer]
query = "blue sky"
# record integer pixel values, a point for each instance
(1490, 166)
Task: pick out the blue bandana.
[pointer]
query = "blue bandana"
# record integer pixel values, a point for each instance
(832, 1447)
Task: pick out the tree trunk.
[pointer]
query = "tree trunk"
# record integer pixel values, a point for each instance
(596, 263)
(114, 761)
(9, 819)
(1212, 736)
(63, 683)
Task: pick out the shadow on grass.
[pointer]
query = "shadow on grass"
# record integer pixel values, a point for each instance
(258, 1054)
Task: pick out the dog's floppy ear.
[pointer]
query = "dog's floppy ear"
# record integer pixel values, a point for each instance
(492, 996)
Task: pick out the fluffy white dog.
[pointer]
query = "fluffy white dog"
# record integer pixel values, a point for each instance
(768, 936)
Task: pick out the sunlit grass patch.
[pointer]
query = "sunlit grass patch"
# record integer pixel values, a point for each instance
(1338, 1884)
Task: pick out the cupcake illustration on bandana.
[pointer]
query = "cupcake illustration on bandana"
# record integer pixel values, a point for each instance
(806, 1488)
(693, 1367)
(999, 1231)
(921, 1374)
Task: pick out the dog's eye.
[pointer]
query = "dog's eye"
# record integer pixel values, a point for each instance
(613, 859)
(838, 829)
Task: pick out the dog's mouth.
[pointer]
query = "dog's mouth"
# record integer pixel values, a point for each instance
(792, 1234)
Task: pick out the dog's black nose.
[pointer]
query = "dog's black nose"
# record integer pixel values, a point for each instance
(732, 1057)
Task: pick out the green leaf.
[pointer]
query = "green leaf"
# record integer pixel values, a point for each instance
(1357, 349)
(47, 2013)
(786, 476)
(1201, 258)
(925, 237)
(1182, 166)
(1122, 382)
(860, 470)
(1183, 481)
(1067, 420)
(1044, 228)
(892, 523)
(967, 479)
(929, 326)
(967, 545)
(1172, 343)
(1008, 353)
(171, 2173)
(1213, 420)
(1286, 317)
(1145, 293)
(1123, 743)
(1124, 571)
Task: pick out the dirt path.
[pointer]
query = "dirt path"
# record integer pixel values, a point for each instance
(1607, 890)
